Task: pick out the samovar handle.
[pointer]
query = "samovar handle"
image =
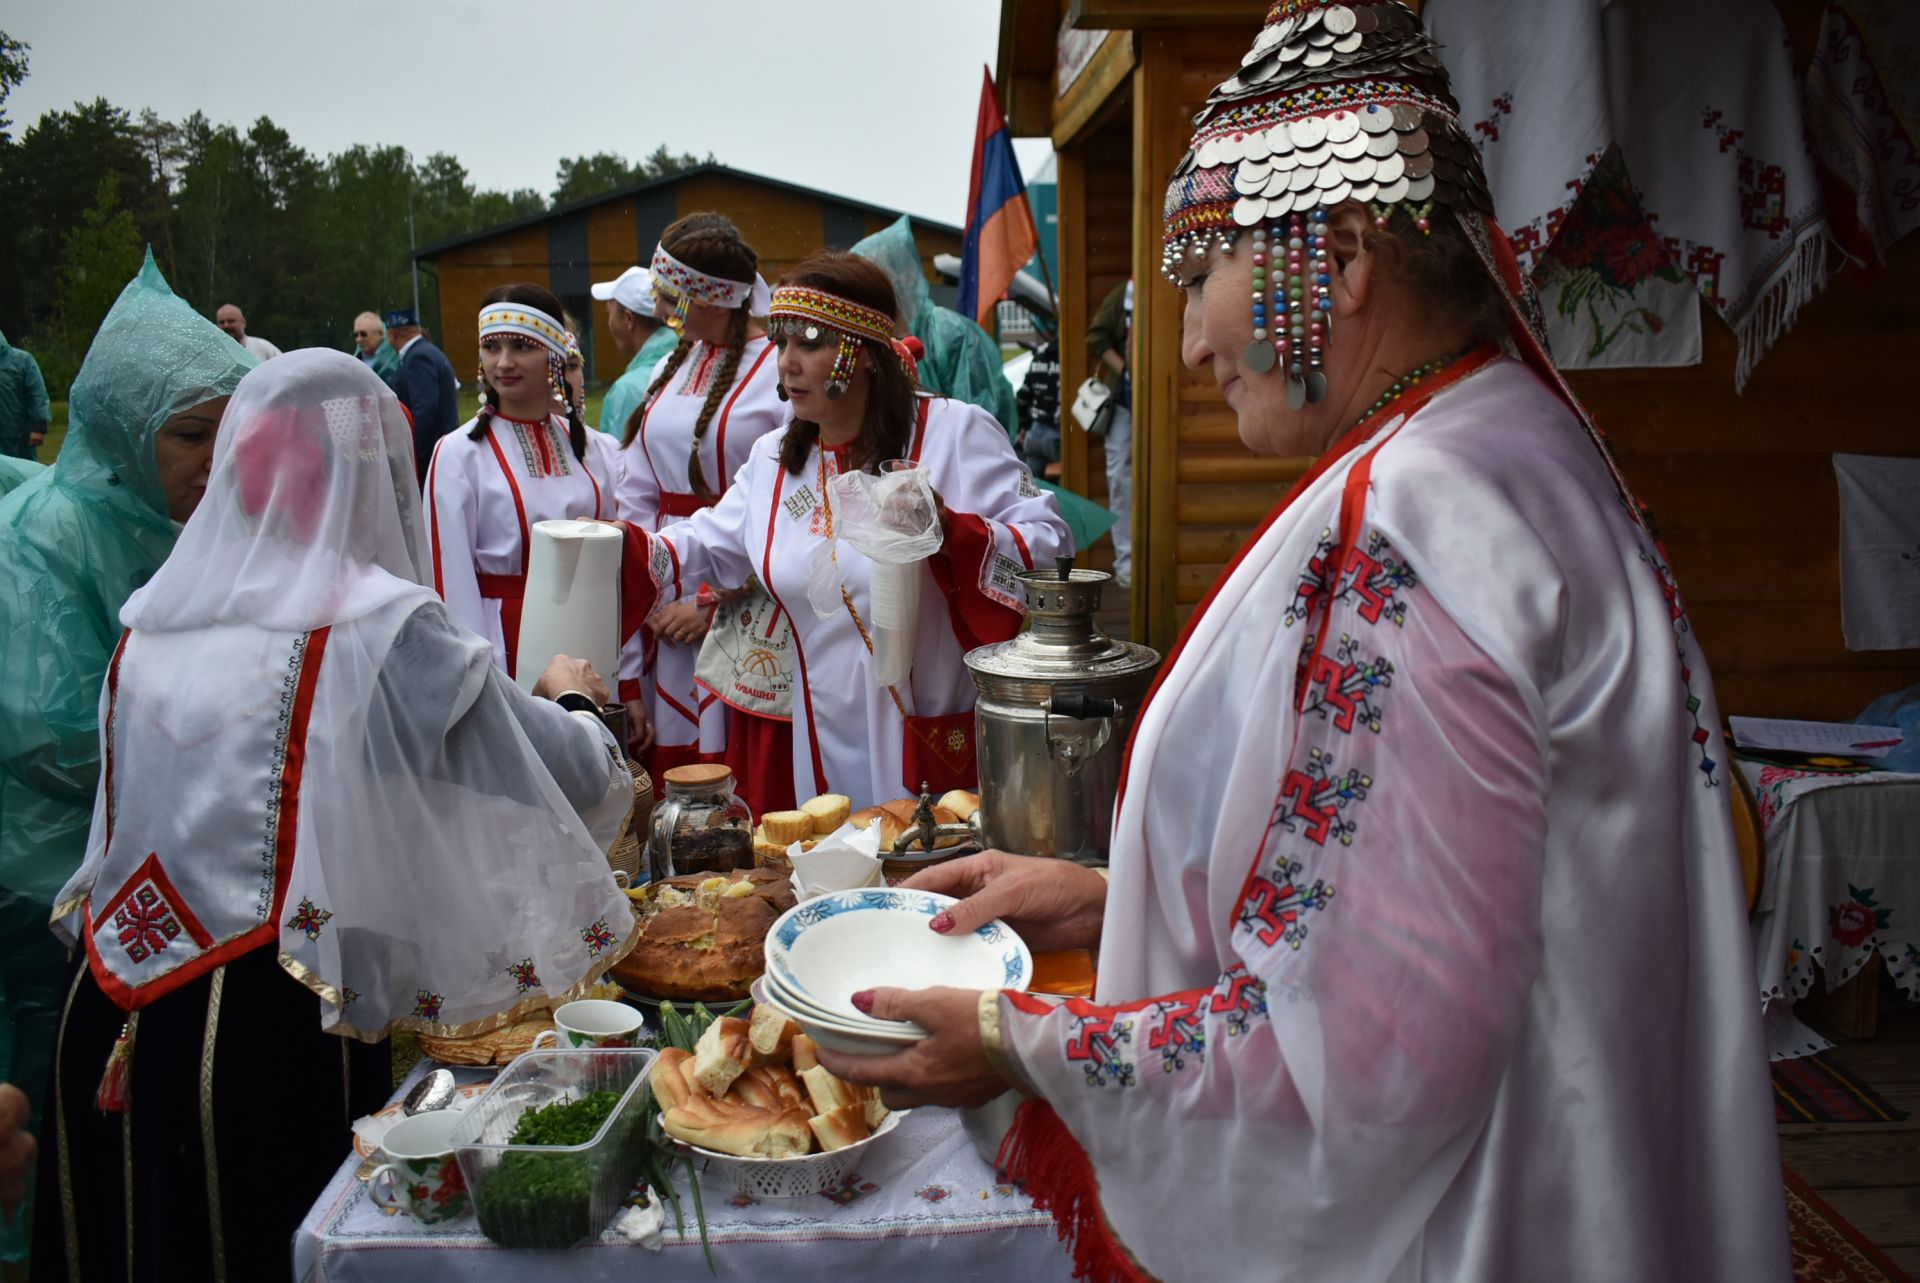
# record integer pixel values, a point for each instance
(1075, 751)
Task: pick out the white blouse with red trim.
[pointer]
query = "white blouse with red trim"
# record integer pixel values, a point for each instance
(656, 490)
(847, 732)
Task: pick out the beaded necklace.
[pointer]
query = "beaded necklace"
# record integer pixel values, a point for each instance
(1405, 384)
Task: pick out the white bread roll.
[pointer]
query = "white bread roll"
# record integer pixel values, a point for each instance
(843, 1127)
(721, 1055)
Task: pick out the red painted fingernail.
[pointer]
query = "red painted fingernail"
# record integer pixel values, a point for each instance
(864, 1001)
(942, 922)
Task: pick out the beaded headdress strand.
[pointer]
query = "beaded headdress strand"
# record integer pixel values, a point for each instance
(1337, 100)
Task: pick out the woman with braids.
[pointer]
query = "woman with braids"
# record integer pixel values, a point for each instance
(526, 457)
(855, 407)
(713, 397)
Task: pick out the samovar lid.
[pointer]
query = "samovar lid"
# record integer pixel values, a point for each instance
(1061, 646)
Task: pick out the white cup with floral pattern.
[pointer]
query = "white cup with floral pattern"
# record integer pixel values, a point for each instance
(593, 1023)
(421, 1176)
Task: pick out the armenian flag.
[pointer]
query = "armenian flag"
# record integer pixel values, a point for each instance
(1001, 236)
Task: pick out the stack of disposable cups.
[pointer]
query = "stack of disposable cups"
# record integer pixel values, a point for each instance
(895, 608)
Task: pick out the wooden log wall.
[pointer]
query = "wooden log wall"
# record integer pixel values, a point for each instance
(1742, 485)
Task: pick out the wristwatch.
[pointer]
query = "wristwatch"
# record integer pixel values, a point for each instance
(575, 702)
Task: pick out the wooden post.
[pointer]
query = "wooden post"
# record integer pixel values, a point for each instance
(1159, 139)
(1072, 232)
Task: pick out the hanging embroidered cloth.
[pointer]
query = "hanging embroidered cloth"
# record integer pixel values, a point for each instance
(1702, 102)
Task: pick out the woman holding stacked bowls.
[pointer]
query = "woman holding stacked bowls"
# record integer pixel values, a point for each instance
(526, 457)
(713, 397)
(1425, 952)
(855, 408)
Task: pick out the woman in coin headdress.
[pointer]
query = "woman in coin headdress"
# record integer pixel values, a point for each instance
(526, 457)
(711, 399)
(855, 407)
(1424, 954)
(325, 815)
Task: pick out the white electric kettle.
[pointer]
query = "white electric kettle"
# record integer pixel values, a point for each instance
(572, 604)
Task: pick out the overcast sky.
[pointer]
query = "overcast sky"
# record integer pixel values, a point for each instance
(873, 99)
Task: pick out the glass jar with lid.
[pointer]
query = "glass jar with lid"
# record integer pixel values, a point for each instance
(700, 826)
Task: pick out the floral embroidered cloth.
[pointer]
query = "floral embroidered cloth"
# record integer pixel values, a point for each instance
(1841, 881)
(1702, 102)
(920, 1204)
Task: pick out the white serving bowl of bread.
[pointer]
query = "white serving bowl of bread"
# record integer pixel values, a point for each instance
(753, 1099)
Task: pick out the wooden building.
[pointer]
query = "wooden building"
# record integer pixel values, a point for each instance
(567, 248)
(1742, 484)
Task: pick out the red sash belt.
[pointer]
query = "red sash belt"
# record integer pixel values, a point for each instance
(510, 591)
(682, 505)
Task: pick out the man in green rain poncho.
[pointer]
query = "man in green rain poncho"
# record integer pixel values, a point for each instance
(963, 361)
(80, 536)
(24, 411)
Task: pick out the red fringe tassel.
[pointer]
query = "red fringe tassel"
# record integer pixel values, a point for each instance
(1042, 1155)
(116, 1079)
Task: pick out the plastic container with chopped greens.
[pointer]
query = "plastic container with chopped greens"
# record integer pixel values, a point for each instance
(554, 1147)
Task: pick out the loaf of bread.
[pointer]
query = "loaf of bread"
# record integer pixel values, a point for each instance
(721, 1055)
(828, 812)
(841, 1128)
(703, 937)
(730, 1127)
(787, 826)
(896, 817)
(962, 803)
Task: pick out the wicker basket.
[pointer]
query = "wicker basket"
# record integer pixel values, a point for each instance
(628, 854)
(797, 1177)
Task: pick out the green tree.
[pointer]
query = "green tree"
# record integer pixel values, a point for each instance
(579, 177)
(13, 73)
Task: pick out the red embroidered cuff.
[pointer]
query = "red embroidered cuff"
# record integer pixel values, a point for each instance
(958, 567)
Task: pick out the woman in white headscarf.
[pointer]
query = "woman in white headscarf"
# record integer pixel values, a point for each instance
(310, 774)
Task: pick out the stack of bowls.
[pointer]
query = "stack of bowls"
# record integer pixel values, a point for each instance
(822, 952)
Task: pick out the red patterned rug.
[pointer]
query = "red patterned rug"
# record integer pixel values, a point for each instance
(1816, 1089)
(1828, 1250)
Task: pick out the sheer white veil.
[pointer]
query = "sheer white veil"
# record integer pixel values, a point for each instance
(311, 515)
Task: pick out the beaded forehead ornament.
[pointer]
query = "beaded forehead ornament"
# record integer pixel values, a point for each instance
(531, 323)
(801, 312)
(685, 284)
(1337, 100)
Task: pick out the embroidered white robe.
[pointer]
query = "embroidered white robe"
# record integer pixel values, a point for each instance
(656, 489)
(1445, 975)
(482, 499)
(848, 735)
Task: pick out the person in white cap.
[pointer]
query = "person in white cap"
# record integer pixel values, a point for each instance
(640, 335)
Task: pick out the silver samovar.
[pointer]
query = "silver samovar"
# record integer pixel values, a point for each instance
(1056, 704)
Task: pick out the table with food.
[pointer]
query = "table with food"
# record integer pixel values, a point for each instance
(677, 1117)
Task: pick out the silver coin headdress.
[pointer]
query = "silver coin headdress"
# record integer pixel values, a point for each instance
(1337, 100)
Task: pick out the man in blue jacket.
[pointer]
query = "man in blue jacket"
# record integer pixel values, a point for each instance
(424, 383)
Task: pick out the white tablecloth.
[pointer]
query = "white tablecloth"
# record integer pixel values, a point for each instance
(1841, 883)
(921, 1206)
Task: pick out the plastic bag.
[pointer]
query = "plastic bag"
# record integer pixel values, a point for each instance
(892, 517)
(1902, 709)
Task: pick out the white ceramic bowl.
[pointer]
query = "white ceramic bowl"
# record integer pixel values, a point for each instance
(836, 1036)
(830, 948)
(792, 1002)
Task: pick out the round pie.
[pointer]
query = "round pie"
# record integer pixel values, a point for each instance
(703, 936)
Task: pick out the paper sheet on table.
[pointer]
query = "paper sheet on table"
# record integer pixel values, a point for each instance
(1843, 739)
(846, 858)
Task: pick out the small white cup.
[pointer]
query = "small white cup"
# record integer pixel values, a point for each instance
(421, 1176)
(593, 1023)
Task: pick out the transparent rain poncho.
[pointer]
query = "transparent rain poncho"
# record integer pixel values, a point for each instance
(435, 849)
(79, 537)
(962, 360)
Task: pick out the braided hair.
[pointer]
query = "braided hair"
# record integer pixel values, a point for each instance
(707, 243)
(887, 432)
(527, 294)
